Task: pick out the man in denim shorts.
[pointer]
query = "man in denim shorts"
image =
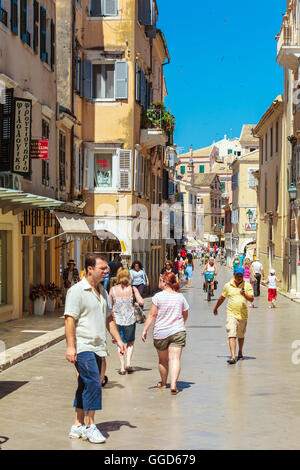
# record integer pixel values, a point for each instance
(86, 317)
(239, 292)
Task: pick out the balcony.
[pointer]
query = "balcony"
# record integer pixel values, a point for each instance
(288, 47)
(157, 126)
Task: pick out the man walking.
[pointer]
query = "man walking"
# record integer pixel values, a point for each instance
(86, 318)
(259, 273)
(239, 293)
(114, 266)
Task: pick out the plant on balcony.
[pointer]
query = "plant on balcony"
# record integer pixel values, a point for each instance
(38, 292)
(52, 291)
(158, 117)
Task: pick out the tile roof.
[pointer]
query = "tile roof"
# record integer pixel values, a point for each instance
(204, 179)
(247, 136)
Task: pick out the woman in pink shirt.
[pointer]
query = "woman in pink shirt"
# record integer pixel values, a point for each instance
(169, 311)
(247, 275)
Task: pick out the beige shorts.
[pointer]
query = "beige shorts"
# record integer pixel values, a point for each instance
(236, 328)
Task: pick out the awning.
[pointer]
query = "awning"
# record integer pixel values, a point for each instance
(170, 241)
(73, 226)
(18, 201)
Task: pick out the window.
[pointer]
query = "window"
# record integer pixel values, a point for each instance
(271, 142)
(103, 170)
(62, 161)
(35, 26)
(229, 151)
(103, 80)
(276, 190)
(43, 35)
(238, 154)
(277, 137)
(153, 189)
(223, 187)
(77, 73)
(4, 8)
(266, 147)
(45, 163)
(182, 170)
(3, 267)
(266, 194)
(14, 16)
(201, 169)
(6, 109)
(103, 7)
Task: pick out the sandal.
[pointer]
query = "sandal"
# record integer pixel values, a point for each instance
(231, 361)
(104, 381)
(122, 372)
(174, 391)
(161, 386)
(129, 370)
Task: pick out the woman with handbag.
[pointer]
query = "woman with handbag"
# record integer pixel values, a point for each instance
(122, 301)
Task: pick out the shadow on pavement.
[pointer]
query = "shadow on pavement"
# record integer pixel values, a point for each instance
(182, 385)
(245, 358)
(140, 369)
(8, 386)
(113, 384)
(110, 426)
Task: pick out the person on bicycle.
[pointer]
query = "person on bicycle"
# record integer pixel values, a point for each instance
(210, 271)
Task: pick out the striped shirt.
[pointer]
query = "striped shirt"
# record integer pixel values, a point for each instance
(169, 318)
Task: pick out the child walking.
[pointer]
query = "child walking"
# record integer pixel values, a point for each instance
(272, 288)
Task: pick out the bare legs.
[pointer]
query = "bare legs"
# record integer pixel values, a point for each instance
(232, 346)
(127, 356)
(169, 362)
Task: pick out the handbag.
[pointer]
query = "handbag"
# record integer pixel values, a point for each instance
(253, 279)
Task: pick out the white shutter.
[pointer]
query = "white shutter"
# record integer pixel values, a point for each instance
(252, 181)
(121, 79)
(86, 170)
(136, 171)
(125, 170)
(110, 7)
(76, 155)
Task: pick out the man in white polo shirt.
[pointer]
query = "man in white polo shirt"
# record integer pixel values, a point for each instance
(259, 273)
(86, 317)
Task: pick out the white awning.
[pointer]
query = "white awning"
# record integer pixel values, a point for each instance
(18, 201)
(73, 226)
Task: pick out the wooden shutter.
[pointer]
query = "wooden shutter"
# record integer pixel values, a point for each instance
(96, 9)
(142, 171)
(14, 16)
(86, 170)
(145, 12)
(52, 61)
(143, 89)
(23, 19)
(110, 7)
(35, 26)
(137, 83)
(6, 111)
(125, 170)
(121, 80)
(43, 34)
(136, 171)
(87, 79)
(141, 174)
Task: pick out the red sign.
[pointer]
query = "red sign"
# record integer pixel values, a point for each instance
(39, 148)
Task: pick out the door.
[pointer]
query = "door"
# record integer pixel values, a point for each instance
(25, 273)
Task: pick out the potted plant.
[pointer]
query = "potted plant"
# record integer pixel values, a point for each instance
(52, 292)
(38, 297)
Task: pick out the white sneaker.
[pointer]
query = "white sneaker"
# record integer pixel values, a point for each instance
(93, 435)
(76, 431)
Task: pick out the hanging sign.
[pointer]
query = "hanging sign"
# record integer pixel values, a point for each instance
(39, 148)
(22, 135)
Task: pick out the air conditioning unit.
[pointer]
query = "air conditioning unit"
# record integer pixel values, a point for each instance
(10, 181)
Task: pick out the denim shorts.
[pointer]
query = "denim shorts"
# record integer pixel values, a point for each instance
(89, 394)
(127, 333)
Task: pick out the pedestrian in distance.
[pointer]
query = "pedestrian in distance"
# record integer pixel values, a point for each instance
(178, 265)
(239, 293)
(86, 318)
(210, 271)
(236, 261)
(122, 301)
(259, 274)
(70, 276)
(249, 274)
(272, 288)
(169, 312)
(139, 278)
(114, 265)
(169, 269)
(188, 269)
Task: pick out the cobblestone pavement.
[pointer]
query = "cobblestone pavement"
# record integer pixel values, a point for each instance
(254, 404)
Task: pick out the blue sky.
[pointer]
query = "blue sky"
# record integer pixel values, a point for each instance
(223, 71)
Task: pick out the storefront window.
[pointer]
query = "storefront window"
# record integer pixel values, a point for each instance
(103, 170)
(3, 267)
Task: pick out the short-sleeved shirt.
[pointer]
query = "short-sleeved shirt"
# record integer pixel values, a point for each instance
(137, 277)
(237, 304)
(169, 318)
(90, 312)
(257, 266)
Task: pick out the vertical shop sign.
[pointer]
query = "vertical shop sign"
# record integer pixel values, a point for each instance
(22, 135)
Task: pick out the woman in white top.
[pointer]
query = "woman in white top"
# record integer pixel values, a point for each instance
(272, 288)
(121, 299)
(169, 311)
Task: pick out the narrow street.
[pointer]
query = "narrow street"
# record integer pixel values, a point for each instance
(254, 404)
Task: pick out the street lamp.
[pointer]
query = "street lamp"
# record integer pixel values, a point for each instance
(292, 192)
(250, 215)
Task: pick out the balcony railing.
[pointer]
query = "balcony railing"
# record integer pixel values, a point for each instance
(3, 16)
(288, 45)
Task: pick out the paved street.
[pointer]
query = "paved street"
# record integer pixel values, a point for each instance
(252, 405)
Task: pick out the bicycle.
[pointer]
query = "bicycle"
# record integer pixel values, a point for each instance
(209, 278)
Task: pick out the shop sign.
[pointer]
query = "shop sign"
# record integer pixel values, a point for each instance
(22, 135)
(39, 148)
(250, 227)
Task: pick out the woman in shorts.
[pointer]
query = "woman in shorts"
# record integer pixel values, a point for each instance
(121, 299)
(169, 311)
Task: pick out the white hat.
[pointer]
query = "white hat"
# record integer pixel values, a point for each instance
(272, 271)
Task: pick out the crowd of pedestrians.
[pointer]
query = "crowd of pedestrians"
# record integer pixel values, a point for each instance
(105, 298)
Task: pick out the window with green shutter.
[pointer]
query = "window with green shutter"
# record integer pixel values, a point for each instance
(229, 151)
(201, 169)
(182, 170)
(223, 187)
